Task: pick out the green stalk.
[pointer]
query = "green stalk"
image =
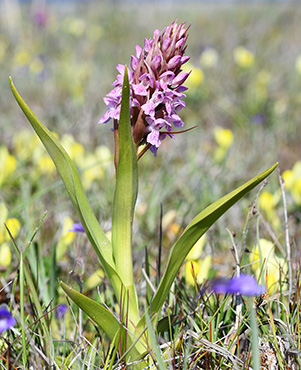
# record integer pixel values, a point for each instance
(254, 334)
(21, 279)
(125, 197)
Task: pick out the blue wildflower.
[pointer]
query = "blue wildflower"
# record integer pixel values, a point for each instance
(6, 319)
(243, 284)
(77, 228)
(61, 311)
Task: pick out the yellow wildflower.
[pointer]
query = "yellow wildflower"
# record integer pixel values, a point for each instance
(66, 238)
(298, 64)
(224, 139)
(25, 142)
(5, 255)
(74, 149)
(95, 165)
(261, 85)
(196, 77)
(3, 47)
(265, 251)
(196, 251)
(243, 57)
(209, 58)
(280, 106)
(8, 164)
(267, 204)
(14, 227)
(36, 65)
(289, 179)
(74, 26)
(201, 269)
(45, 165)
(95, 279)
(292, 181)
(94, 32)
(196, 263)
(168, 218)
(22, 57)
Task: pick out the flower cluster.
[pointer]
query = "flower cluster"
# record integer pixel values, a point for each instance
(156, 89)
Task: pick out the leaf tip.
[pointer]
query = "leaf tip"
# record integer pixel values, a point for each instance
(10, 81)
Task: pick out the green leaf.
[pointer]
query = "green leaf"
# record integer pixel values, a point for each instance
(196, 228)
(124, 201)
(73, 185)
(102, 317)
(125, 191)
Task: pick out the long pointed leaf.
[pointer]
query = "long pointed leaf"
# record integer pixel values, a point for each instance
(196, 228)
(76, 193)
(101, 316)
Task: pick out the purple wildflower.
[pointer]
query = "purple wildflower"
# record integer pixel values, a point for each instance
(77, 228)
(61, 311)
(6, 319)
(40, 17)
(243, 284)
(258, 118)
(156, 87)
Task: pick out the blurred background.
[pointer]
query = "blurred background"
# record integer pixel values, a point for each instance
(244, 96)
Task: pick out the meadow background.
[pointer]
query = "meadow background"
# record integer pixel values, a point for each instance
(244, 96)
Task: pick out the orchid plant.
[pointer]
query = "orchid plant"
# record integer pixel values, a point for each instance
(144, 106)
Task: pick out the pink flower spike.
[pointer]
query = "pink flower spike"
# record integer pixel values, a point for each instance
(156, 88)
